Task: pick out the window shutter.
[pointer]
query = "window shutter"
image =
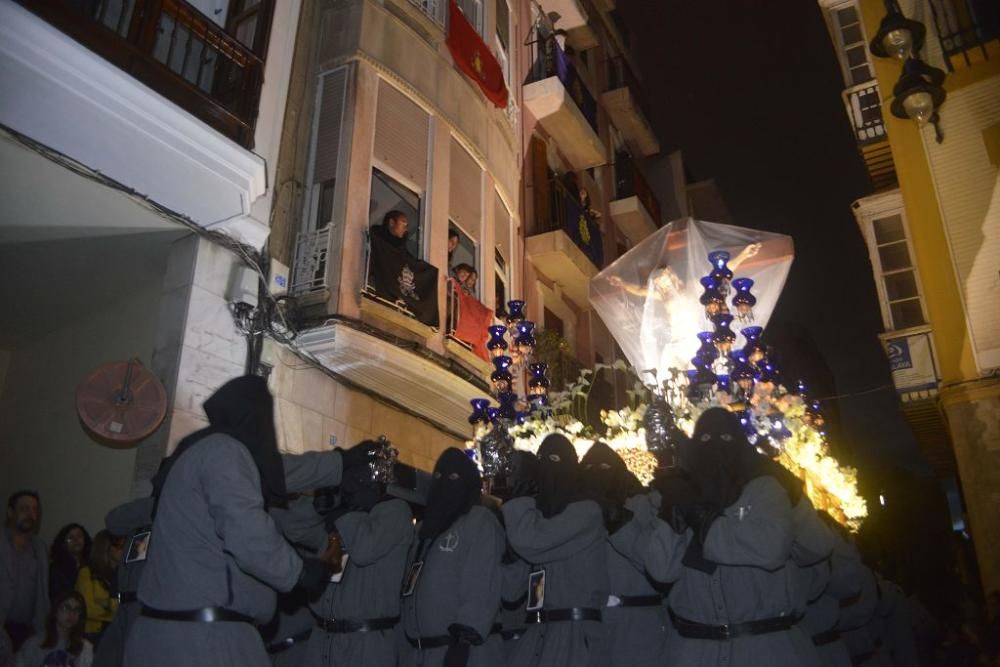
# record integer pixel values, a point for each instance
(333, 90)
(401, 135)
(465, 192)
(501, 224)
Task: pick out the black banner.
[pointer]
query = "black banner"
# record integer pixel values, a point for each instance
(398, 276)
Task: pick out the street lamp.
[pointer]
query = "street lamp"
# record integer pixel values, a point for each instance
(897, 36)
(918, 94)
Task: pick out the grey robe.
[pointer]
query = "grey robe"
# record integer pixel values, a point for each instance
(515, 597)
(460, 583)
(751, 543)
(828, 582)
(856, 618)
(377, 543)
(123, 520)
(637, 635)
(213, 545)
(571, 547)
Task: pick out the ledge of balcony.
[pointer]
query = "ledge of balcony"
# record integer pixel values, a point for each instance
(630, 215)
(406, 378)
(391, 320)
(629, 117)
(456, 350)
(90, 110)
(550, 103)
(555, 256)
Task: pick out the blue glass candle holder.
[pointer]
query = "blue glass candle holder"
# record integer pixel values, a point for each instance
(515, 312)
(497, 344)
(753, 350)
(743, 300)
(721, 273)
(538, 383)
(723, 337)
(501, 378)
(707, 351)
(711, 298)
(479, 415)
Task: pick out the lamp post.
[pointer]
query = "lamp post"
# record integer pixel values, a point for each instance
(897, 37)
(918, 94)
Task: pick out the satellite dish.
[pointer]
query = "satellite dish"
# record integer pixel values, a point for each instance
(121, 402)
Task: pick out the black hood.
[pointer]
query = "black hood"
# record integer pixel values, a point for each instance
(606, 475)
(455, 488)
(719, 457)
(244, 410)
(558, 475)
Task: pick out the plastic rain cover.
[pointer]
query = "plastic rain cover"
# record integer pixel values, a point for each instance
(649, 297)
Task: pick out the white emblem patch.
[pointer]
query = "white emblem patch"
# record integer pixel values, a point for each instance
(450, 542)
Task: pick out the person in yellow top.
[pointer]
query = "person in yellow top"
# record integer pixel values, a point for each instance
(94, 584)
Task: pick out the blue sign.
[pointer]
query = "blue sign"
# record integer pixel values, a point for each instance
(899, 354)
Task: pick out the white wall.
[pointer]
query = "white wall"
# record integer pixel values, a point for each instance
(42, 445)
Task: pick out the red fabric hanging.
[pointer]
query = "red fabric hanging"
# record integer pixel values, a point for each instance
(473, 57)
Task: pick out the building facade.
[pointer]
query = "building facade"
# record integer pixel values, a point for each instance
(139, 143)
(198, 185)
(932, 226)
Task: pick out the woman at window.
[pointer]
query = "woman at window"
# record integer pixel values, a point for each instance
(62, 644)
(70, 551)
(94, 584)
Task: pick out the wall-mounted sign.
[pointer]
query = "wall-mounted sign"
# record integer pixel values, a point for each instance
(912, 362)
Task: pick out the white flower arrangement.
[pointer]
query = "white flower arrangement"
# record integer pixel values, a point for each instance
(803, 447)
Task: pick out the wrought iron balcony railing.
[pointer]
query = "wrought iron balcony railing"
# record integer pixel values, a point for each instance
(309, 269)
(965, 28)
(177, 51)
(566, 213)
(548, 60)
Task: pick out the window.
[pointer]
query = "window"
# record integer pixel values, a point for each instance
(465, 252)
(501, 285)
(324, 205)
(553, 323)
(503, 38)
(853, 47)
(390, 195)
(473, 10)
(899, 288)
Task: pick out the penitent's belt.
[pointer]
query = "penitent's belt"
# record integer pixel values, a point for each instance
(126, 597)
(695, 630)
(203, 615)
(344, 626)
(427, 643)
(283, 645)
(558, 615)
(618, 601)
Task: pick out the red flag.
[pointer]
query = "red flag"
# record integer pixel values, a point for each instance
(473, 319)
(473, 57)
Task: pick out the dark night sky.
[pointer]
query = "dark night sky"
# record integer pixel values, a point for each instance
(749, 90)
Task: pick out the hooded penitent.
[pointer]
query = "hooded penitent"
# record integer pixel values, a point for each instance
(243, 409)
(558, 475)
(720, 459)
(608, 480)
(455, 488)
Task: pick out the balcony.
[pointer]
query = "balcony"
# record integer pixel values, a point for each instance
(635, 209)
(864, 108)
(560, 101)
(968, 30)
(413, 378)
(175, 50)
(566, 246)
(623, 102)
